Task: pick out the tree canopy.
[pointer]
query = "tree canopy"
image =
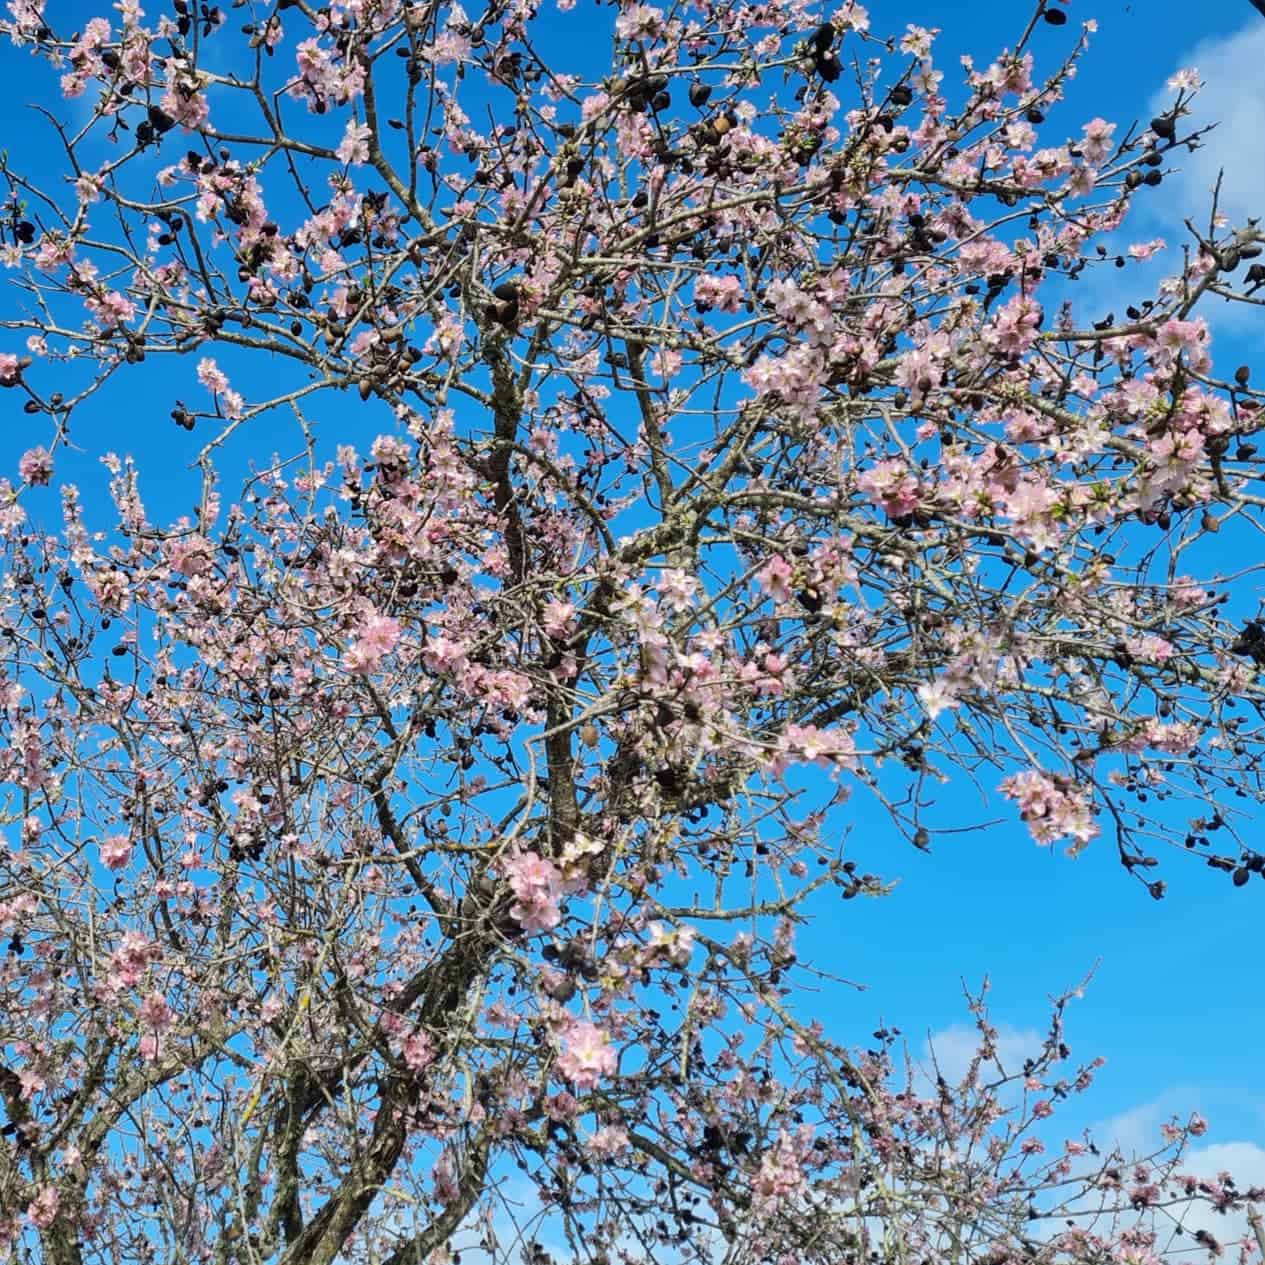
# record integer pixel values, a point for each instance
(438, 812)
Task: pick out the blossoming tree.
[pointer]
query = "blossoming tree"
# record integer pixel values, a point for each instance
(442, 809)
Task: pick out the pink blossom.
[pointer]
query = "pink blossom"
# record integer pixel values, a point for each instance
(1052, 806)
(722, 293)
(775, 578)
(111, 309)
(155, 1019)
(1096, 141)
(557, 617)
(115, 852)
(155, 1014)
(608, 1140)
(1015, 326)
(445, 1178)
(417, 1051)
(211, 376)
(891, 485)
(1185, 338)
(354, 147)
(187, 106)
(779, 1175)
(638, 21)
(936, 696)
(36, 466)
(537, 885)
(375, 637)
(811, 745)
(587, 1055)
(443, 654)
(41, 1212)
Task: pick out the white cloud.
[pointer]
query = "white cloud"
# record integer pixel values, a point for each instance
(954, 1047)
(1245, 1162)
(1233, 97)
(1137, 1133)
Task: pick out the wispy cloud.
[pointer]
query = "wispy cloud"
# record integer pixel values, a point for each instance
(1137, 1133)
(1233, 97)
(954, 1047)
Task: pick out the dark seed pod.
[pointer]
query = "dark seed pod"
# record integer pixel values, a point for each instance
(901, 95)
(507, 292)
(160, 120)
(1055, 17)
(1242, 374)
(699, 93)
(828, 67)
(1165, 127)
(1241, 876)
(823, 37)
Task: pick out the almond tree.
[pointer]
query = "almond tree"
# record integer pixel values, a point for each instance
(432, 822)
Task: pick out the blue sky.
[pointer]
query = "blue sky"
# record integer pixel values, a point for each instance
(1175, 1001)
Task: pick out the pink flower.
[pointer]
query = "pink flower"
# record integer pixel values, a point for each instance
(1096, 142)
(557, 618)
(354, 147)
(811, 745)
(417, 1051)
(1185, 338)
(116, 852)
(443, 1175)
(779, 1175)
(610, 1139)
(587, 1055)
(537, 885)
(1015, 326)
(639, 21)
(10, 369)
(211, 376)
(188, 107)
(443, 654)
(41, 1212)
(891, 485)
(936, 696)
(155, 1014)
(1052, 806)
(110, 309)
(36, 466)
(775, 578)
(375, 639)
(722, 293)
(155, 1018)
